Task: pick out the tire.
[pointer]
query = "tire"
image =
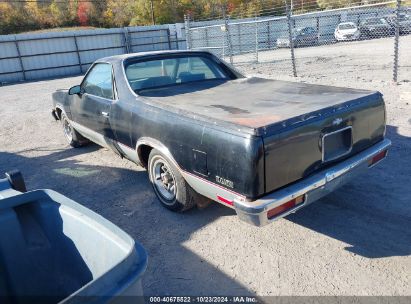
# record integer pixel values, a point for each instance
(169, 185)
(72, 136)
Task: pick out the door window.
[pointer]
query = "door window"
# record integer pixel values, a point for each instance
(99, 81)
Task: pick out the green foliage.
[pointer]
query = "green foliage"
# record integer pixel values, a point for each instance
(6, 18)
(330, 4)
(20, 16)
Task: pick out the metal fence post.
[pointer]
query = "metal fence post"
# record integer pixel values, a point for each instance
(396, 41)
(227, 36)
(177, 41)
(206, 37)
(127, 40)
(240, 43)
(169, 38)
(223, 46)
(290, 36)
(256, 37)
(187, 30)
(20, 59)
(78, 54)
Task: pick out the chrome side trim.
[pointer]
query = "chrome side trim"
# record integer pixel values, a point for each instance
(128, 152)
(313, 187)
(102, 140)
(61, 108)
(208, 189)
(90, 134)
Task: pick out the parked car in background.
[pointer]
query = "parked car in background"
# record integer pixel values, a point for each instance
(301, 37)
(404, 22)
(376, 27)
(203, 130)
(347, 31)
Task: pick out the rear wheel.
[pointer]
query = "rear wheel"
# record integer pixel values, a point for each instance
(169, 185)
(72, 136)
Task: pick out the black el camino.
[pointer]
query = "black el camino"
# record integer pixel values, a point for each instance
(204, 131)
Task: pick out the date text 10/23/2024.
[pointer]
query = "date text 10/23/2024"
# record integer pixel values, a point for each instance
(203, 299)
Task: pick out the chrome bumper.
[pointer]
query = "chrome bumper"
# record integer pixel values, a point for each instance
(313, 187)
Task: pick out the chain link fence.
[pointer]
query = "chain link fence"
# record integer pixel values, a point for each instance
(360, 40)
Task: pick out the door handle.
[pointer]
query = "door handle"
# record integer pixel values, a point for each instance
(105, 114)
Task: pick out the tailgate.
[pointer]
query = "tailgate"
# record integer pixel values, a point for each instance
(315, 140)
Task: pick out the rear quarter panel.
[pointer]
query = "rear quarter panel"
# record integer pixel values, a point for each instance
(204, 150)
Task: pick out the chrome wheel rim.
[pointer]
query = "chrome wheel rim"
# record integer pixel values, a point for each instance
(68, 132)
(164, 180)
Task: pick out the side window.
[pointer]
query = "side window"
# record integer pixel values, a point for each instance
(99, 81)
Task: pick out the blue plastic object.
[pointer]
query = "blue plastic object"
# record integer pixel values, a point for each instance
(56, 250)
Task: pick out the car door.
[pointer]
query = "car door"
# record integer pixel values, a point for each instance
(304, 37)
(91, 109)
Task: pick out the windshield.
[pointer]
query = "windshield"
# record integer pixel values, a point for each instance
(303, 31)
(347, 26)
(170, 71)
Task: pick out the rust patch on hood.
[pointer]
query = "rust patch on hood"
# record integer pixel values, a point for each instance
(231, 110)
(255, 121)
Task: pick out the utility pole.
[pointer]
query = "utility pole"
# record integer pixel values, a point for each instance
(153, 19)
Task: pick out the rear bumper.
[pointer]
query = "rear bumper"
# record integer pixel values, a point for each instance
(283, 43)
(347, 38)
(312, 188)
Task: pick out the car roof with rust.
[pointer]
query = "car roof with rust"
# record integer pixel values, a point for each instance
(121, 58)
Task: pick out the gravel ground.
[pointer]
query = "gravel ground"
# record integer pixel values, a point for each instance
(356, 241)
(367, 60)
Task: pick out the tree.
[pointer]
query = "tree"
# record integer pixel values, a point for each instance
(119, 13)
(84, 11)
(6, 12)
(17, 16)
(330, 4)
(141, 12)
(58, 16)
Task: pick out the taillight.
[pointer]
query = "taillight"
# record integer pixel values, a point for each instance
(225, 201)
(286, 206)
(376, 158)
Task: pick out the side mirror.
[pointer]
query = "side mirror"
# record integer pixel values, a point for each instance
(76, 90)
